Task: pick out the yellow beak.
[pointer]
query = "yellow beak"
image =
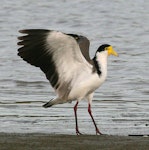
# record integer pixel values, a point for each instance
(111, 51)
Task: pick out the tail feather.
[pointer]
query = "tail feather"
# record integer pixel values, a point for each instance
(53, 102)
(48, 104)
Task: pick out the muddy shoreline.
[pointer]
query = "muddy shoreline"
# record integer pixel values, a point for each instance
(35, 141)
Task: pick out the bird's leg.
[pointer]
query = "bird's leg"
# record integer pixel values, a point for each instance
(90, 112)
(75, 111)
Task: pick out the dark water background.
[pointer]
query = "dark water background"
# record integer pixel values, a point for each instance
(120, 106)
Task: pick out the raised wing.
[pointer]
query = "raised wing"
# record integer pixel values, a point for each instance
(84, 44)
(57, 54)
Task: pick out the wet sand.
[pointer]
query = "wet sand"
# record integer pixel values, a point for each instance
(67, 142)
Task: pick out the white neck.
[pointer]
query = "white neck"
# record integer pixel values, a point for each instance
(101, 58)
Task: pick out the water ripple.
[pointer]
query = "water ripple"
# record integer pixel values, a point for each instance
(120, 106)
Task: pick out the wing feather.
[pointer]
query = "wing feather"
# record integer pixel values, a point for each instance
(84, 44)
(57, 54)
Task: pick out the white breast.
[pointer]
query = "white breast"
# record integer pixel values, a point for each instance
(86, 82)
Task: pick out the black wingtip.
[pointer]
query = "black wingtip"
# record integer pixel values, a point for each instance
(21, 37)
(22, 31)
(20, 43)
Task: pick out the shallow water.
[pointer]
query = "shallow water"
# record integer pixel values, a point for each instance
(120, 106)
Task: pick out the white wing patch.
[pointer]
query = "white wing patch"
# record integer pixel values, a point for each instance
(68, 59)
(59, 56)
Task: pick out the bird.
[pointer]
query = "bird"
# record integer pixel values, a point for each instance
(65, 60)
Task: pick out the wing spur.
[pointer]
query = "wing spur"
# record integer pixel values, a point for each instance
(57, 54)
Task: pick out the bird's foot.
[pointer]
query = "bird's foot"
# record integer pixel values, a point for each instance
(98, 132)
(78, 132)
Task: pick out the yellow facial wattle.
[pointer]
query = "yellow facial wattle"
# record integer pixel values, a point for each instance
(111, 51)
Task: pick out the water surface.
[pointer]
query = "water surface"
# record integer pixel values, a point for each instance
(120, 106)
